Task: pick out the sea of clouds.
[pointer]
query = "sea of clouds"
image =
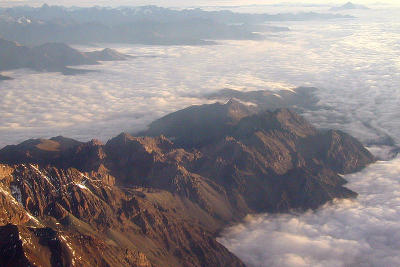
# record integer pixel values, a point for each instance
(362, 232)
(360, 93)
(355, 65)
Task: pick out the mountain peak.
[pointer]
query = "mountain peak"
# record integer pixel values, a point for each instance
(122, 138)
(51, 57)
(348, 6)
(106, 54)
(96, 142)
(198, 124)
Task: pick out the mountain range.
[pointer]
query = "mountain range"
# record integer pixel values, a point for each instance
(52, 57)
(160, 197)
(348, 6)
(139, 25)
(298, 99)
(2, 78)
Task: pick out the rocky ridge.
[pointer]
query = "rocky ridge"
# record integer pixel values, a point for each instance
(349, 6)
(161, 197)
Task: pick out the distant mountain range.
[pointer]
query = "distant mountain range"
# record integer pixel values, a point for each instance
(2, 78)
(143, 25)
(51, 57)
(160, 199)
(348, 6)
(299, 99)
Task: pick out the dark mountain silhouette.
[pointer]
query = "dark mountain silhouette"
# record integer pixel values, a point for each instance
(139, 25)
(297, 98)
(50, 57)
(160, 200)
(2, 78)
(348, 6)
(199, 125)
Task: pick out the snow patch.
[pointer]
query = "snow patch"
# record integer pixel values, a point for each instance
(41, 174)
(9, 196)
(81, 186)
(69, 247)
(16, 193)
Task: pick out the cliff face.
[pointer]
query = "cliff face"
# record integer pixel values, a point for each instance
(151, 201)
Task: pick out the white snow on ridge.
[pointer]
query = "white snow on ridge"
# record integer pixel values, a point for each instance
(44, 176)
(16, 193)
(17, 203)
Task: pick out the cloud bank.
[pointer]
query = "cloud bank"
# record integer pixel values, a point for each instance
(364, 232)
(354, 62)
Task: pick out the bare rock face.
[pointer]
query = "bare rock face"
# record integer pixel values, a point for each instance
(160, 201)
(297, 99)
(338, 150)
(74, 219)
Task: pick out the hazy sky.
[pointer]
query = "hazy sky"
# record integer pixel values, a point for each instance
(176, 3)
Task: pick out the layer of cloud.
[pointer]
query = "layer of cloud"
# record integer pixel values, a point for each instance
(356, 68)
(354, 62)
(365, 232)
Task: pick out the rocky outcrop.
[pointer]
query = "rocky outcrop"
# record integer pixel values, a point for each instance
(161, 201)
(349, 6)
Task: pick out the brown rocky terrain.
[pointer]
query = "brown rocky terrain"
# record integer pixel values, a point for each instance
(161, 198)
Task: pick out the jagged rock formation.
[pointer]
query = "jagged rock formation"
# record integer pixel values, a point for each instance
(151, 25)
(50, 57)
(81, 221)
(160, 201)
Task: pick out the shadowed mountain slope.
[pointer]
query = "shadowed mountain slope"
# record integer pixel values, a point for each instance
(161, 200)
